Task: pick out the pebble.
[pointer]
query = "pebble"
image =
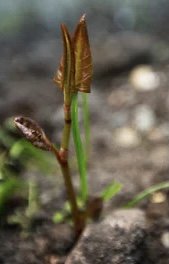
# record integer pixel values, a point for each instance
(144, 118)
(143, 78)
(165, 239)
(126, 137)
(118, 239)
(121, 97)
(119, 119)
(158, 197)
(159, 133)
(159, 157)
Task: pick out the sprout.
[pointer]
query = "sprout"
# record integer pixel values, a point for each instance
(33, 132)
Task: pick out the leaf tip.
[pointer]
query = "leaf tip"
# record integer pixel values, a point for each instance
(83, 18)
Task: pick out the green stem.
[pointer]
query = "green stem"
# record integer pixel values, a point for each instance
(80, 153)
(86, 122)
(62, 157)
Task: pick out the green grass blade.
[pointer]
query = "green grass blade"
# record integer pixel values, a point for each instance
(86, 122)
(33, 199)
(138, 198)
(80, 153)
(111, 190)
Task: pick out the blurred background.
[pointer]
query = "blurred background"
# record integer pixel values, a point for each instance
(129, 103)
(123, 34)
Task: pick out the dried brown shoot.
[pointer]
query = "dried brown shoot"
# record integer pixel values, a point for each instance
(33, 132)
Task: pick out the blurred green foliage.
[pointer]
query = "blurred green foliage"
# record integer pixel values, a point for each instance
(16, 156)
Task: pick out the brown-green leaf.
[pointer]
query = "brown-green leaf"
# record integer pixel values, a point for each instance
(64, 77)
(33, 132)
(83, 59)
(75, 69)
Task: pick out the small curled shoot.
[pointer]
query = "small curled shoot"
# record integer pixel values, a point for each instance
(33, 132)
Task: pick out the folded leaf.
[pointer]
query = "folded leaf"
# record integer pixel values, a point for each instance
(32, 132)
(75, 69)
(64, 77)
(83, 59)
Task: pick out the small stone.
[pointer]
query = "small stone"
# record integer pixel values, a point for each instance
(121, 97)
(165, 239)
(119, 119)
(159, 156)
(42, 244)
(119, 238)
(57, 260)
(158, 197)
(159, 133)
(144, 118)
(45, 198)
(126, 137)
(143, 78)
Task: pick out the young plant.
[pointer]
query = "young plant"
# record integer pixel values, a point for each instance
(73, 76)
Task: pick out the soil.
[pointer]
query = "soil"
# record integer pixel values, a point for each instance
(114, 104)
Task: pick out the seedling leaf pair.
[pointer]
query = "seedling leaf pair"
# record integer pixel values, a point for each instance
(75, 69)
